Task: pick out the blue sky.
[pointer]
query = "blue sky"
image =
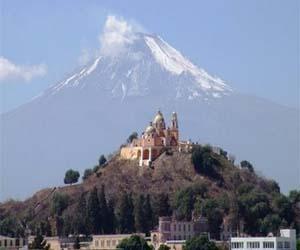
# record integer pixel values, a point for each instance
(252, 45)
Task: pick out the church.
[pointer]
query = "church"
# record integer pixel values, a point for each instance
(156, 138)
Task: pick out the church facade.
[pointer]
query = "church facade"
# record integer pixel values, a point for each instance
(156, 138)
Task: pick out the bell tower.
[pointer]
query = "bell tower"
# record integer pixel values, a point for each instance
(174, 126)
(174, 121)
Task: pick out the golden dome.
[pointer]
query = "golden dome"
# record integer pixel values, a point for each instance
(158, 118)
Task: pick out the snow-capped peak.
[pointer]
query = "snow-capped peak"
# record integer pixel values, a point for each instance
(148, 65)
(173, 61)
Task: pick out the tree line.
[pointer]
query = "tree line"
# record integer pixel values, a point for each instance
(95, 214)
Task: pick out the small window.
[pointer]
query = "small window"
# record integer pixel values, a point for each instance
(253, 244)
(238, 244)
(268, 244)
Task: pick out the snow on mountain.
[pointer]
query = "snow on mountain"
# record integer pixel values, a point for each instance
(176, 63)
(139, 72)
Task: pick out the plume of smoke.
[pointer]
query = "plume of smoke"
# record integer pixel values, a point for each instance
(117, 35)
(114, 39)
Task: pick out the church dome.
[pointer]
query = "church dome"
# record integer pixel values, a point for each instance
(158, 118)
(149, 129)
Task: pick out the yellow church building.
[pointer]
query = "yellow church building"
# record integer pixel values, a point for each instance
(154, 141)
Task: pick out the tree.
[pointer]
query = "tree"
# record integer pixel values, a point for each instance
(134, 242)
(67, 224)
(131, 137)
(203, 161)
(298, 244)
(96, 168)
(253, 207)
(87, 173)
(71, 177)
(184, 203)
(283, 207)
(164, 247)
(247, 165)
(270, 223)
(45, 228)
(39, 242)
(103, 211)
(148, 213)
(9, 225)
(59, 203)
(93, 212)
(81, 220)
(214, 216)
(76, 243)
(223, 153)
(126, 214)
(294, 196)
(162, 205)
(102, 160)
(200, 243)
(111, 219)
(140, 219)
(130, 214)
(143, 214)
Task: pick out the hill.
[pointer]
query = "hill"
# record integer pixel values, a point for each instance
(228, 195)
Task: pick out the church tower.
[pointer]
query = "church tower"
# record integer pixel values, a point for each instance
(174, 121)
(174, 126)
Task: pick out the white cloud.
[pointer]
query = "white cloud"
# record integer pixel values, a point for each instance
(85, 56)
(9, 70)
(117, 34)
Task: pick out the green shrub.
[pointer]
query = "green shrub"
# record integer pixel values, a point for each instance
(87, 173)
(200, 243)
(71, 176)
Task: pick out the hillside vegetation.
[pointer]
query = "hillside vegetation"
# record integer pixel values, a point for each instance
(122, 197)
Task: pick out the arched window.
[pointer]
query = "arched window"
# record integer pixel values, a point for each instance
(146, 154)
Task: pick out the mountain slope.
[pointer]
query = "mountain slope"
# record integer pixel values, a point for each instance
(96, 107)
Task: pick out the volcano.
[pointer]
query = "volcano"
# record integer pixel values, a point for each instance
(94, 109)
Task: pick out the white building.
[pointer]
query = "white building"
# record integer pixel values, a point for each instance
(286, 241)
(11, 243)
(109, 241)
